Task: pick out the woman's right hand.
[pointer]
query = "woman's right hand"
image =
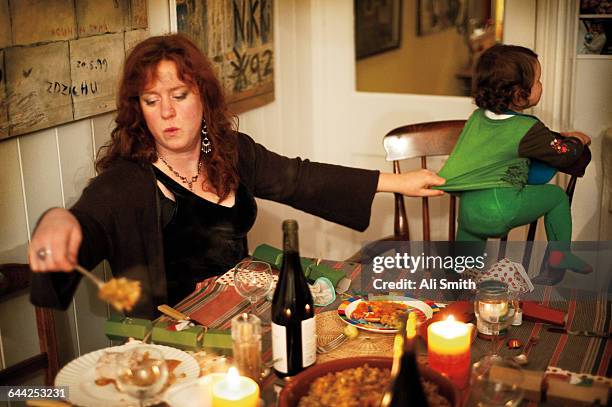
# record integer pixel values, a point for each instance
(56, 241)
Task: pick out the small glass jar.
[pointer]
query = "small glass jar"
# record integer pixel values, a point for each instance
(246, 338)
(493, 308)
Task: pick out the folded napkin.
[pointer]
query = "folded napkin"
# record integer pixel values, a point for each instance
(313, 269)
(322, 291)
(505, 270)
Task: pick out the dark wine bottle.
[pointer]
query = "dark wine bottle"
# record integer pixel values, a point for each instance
(406, 388)
(293, 320)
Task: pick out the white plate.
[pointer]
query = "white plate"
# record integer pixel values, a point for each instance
(425, 312)
(80, 375)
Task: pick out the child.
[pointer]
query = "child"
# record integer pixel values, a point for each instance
(490, 165)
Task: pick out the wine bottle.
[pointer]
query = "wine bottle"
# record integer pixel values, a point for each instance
(406, 388)
(293, 320)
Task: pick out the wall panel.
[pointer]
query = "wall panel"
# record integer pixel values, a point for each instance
(41, 173)
(14, 236)
(16, 317)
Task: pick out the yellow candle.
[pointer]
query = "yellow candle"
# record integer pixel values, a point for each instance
(448, 349)
(235, 391)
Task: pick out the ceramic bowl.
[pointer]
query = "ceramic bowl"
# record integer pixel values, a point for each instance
(298, 386)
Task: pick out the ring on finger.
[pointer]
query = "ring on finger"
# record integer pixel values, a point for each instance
(42, 253)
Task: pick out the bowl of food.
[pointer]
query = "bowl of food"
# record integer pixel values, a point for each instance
(359, 381)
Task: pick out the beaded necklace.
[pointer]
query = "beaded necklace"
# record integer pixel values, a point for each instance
(183, 179)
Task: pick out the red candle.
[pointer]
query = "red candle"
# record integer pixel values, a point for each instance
(448, 349)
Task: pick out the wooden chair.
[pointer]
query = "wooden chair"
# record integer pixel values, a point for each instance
(14, 280)
(423, 140)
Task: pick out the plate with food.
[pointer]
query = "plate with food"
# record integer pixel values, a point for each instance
(91, 379)
(382, 313)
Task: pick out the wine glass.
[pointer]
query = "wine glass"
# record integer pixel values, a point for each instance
(495, 382)
(494, 310)
(142, 373)
(253, 280)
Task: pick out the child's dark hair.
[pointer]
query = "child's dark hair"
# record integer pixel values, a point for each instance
(504, 77)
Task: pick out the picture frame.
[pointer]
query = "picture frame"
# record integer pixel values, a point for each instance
(595, 35)
(378, 26)
(436, 15)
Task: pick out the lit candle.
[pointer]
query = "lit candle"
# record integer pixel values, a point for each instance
(235, 391)
(448, 349)
(492, 311)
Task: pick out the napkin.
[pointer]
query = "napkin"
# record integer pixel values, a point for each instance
(322, 292)
(166, 333)
(505, 270)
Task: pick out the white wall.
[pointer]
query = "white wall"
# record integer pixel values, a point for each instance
(592, 114)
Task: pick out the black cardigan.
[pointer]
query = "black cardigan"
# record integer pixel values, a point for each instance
(119, 213)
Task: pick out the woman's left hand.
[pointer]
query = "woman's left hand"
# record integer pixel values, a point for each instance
(413, 183)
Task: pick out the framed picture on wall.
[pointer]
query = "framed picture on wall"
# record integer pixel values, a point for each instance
(377, 26)
(595, 36)
(436, 15)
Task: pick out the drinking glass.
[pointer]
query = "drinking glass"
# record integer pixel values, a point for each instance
(142, 373)
(494, 310)
(495, 382)
(253, 280)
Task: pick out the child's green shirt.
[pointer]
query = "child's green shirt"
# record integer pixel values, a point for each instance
(495, 153)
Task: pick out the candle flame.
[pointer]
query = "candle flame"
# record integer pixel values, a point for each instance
(232, 378)
(450, 318)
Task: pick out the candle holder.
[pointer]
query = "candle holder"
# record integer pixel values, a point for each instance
(246, 342)
(235, 391)
(494, 311)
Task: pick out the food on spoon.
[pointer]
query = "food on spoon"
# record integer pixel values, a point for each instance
(121, 293)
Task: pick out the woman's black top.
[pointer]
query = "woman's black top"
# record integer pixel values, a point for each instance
(201, 239)
(119, 214)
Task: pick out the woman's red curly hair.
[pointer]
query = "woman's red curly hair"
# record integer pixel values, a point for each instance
(131, 138)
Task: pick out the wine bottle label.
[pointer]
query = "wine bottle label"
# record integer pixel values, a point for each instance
(279, 347)
(309, 342)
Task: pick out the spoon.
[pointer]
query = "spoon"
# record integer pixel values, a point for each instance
(522, 358)
(121, 293)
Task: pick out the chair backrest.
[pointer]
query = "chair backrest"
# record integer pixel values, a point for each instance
(421, 140)
(14, 280)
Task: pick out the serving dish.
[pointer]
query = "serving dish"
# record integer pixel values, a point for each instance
(298, 386)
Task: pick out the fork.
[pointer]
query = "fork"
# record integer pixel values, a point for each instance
(333, 344)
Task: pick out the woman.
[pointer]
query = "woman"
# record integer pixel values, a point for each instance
(174, 198)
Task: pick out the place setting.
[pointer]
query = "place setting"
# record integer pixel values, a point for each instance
(126, 375)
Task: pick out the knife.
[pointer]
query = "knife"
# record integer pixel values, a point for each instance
(173, 313)
(592, 334)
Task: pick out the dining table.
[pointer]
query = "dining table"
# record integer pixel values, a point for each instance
(215, 302)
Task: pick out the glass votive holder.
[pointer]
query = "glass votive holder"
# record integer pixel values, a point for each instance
(493, 308)
(246, 341)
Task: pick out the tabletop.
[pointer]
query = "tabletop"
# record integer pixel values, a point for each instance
(215, 304)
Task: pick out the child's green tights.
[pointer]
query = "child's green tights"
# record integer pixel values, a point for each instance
(494, 212)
